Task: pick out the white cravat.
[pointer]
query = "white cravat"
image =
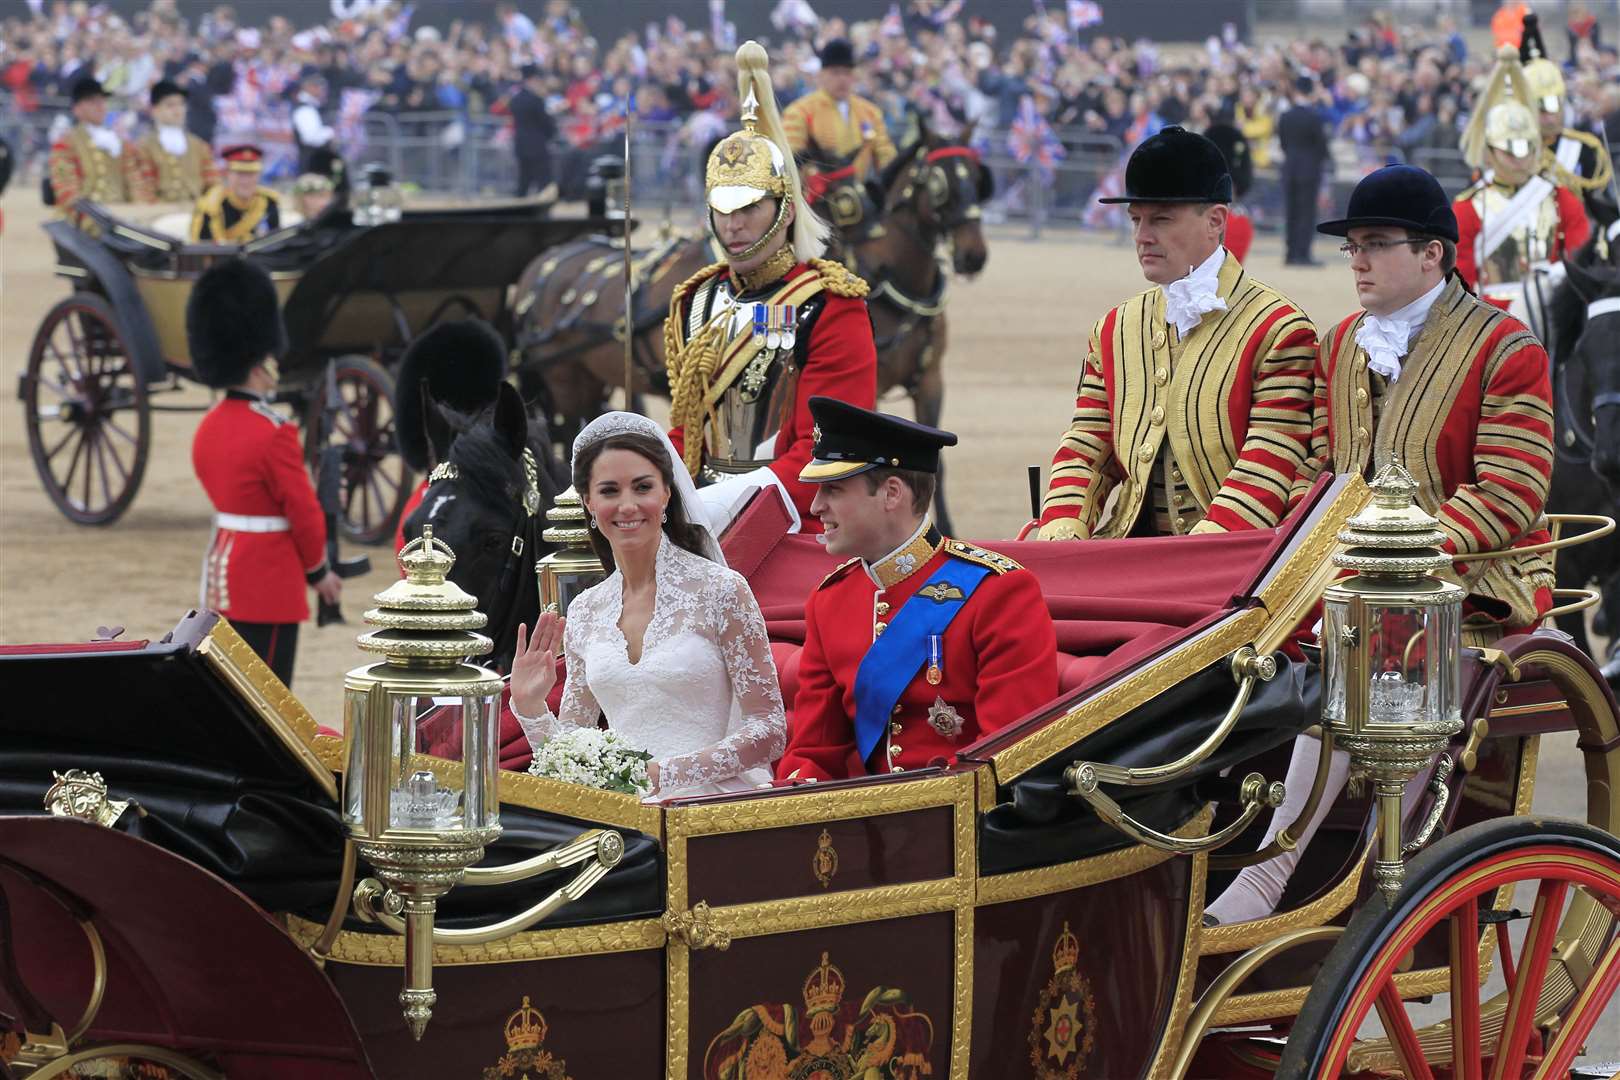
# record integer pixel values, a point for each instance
(104, 138)
(173, 139)
(1189, 299)
(1387, 338)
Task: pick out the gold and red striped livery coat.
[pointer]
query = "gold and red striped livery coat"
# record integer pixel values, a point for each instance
(1233, 399)
(81, 169)
(1471, 419)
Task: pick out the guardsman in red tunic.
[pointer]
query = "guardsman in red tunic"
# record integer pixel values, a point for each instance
(1458, 393)
(85, 162)
(749, 340)
(918, 645)
(269, 540)
(1195, 396)
(459, 365)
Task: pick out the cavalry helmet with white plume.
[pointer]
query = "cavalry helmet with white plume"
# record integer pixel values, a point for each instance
(1492, 125)
(755, 163)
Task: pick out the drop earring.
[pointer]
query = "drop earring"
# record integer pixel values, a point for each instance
(665, 518)
(591, 522)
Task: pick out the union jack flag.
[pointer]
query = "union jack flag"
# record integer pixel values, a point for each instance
(1084, 13)
(1031, 141)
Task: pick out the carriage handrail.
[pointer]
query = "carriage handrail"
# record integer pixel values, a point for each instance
(1604, 523)
(1248, 667)
(1257, 795)
(1579, 600)
(1287, 839)
(599, 849)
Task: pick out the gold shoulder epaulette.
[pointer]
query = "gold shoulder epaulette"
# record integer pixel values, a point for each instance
(838, 280)
(995, 560)
(838, 571)
(211, 200)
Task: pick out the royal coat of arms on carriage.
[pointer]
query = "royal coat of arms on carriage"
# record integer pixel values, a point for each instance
(525, 1057)
(1063, 1028)
(832, 1039)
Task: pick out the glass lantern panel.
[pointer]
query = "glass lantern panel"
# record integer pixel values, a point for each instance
(354, 775)
(567, 585)
(481, 735)
(1335, 617)
(418, 799)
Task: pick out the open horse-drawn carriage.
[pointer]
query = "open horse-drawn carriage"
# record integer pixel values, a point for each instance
(354, 296)
(1032, 908)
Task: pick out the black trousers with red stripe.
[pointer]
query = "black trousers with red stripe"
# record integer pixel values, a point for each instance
(276, 644)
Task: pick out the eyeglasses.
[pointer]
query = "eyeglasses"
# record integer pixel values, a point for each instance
(1375, 247)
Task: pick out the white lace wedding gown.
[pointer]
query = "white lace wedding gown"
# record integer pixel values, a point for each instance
(703, 699)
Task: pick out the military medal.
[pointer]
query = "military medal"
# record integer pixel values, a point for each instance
(775, 323)
(935, 672)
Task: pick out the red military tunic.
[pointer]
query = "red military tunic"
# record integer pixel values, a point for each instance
(999, 661)
(839, 360)
(1471, 418)
(1562, 227)
(251, 464)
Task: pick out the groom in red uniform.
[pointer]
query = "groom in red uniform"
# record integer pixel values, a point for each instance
(269, 533)
(918, 645)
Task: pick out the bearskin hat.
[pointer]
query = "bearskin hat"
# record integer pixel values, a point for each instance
(233, 321)
(461, 364)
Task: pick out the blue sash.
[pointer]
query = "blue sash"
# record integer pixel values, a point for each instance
(895, 658)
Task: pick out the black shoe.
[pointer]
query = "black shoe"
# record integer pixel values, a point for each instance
(1210, 921)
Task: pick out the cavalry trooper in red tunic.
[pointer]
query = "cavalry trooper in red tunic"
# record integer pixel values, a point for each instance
(1458, 393)
(919, 645)
(750, 339)
(269, 539)
(1195, 396)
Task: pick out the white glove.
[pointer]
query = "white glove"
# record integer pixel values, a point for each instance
(724, 499)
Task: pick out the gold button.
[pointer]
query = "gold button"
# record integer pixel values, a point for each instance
(1158, 414)
(1161, 376)
(1181, 498)
(894, 749)
(1181, 523)
(1361, 396)
(882, 607)
(1159, 339)
(1361, 434)
(878, 628)
(1175, 473)
(894, 728)
(1146, 453)
(896, 768)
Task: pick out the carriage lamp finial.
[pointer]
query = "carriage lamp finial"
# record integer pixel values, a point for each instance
(1391, 648)
(421, 727)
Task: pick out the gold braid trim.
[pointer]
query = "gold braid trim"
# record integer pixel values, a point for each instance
(690, 366)
(1601, 172)
(839, 280)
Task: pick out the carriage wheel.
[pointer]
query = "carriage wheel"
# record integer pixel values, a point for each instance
(1558, 981)
(376, 481)
(80, 378)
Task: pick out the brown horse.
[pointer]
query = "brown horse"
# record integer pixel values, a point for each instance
(571, 300)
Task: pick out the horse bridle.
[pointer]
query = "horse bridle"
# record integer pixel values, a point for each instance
(502, 616)
(1609, 306)
(933, 177)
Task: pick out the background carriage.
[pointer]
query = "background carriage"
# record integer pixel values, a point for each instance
(354, 296)
(969, 920)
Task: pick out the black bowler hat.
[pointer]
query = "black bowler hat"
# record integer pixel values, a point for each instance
(837, 53)
(87, 87)
(1403, 196)
(233, 321)
(850, 440)
(1176, 166)
(165, 88)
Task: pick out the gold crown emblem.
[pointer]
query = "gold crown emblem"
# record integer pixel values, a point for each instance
(824, 989)
(526, 1028)
(1066, 953)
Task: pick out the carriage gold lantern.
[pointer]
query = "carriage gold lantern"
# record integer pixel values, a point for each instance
(572, 567)
(419, 830)
(1391, 655)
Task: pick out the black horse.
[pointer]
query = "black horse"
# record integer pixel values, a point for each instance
(1585, 331)
(488, 501)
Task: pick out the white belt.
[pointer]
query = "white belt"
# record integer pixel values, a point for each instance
(252, 523)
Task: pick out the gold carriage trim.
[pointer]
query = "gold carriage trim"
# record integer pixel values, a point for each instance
(388, 950)
(1063, 877)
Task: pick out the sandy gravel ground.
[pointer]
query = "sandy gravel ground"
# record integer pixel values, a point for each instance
(1017, 334)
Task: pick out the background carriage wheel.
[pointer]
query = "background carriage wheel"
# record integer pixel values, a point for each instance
(375, 480)
(85, 407)
(1559, 977)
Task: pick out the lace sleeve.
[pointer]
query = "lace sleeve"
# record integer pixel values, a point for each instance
(761, 735)
(578, 705)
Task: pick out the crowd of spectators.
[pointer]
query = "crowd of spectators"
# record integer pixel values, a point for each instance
(1386, 90)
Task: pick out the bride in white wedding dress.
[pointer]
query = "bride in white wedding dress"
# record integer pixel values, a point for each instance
(671, 647)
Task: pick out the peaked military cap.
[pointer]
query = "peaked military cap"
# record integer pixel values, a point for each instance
(1176, 166)
(851, 440)
(1402, 196)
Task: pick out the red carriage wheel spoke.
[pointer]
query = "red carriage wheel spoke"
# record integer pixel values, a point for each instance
(1526, 992)
(1398, 1026)
(1584, 1015)
(1504, 951)
(1463, 932)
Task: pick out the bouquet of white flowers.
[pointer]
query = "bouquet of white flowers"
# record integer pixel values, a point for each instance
(594, 758)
